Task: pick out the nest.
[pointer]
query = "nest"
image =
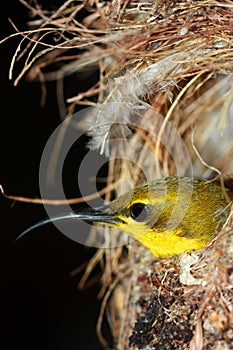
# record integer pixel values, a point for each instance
(165, 89)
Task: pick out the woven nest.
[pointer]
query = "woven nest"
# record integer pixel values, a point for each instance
(163, 66)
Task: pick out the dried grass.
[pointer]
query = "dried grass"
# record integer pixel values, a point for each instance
(172, 59)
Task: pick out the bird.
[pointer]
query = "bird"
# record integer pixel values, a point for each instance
(169, 216)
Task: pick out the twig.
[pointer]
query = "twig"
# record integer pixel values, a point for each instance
(89, 197)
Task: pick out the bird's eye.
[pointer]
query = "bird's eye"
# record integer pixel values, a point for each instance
(139, 212)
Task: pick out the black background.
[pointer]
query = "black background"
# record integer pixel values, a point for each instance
(40, 306)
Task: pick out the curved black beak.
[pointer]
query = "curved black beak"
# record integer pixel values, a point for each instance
(103, 215)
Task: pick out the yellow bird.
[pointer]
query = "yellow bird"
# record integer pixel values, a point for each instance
(169, 216)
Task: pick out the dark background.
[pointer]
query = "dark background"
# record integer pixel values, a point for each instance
(40, 305)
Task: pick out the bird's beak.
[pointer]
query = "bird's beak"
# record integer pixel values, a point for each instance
(103, 215)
